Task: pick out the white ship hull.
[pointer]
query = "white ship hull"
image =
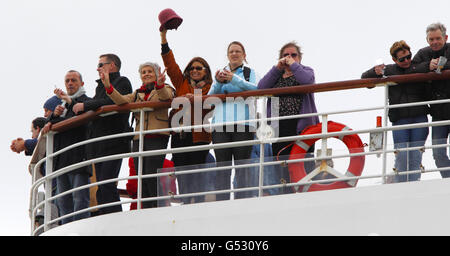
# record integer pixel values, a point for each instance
(413, 208)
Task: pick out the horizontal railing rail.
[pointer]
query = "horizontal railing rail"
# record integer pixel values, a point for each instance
(319, 87)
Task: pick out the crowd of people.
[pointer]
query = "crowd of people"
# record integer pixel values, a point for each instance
(198, 79)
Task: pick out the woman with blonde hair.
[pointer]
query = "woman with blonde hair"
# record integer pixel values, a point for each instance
(235, 77)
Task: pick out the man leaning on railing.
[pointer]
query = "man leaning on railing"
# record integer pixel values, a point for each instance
(77, 200)
(433, 58)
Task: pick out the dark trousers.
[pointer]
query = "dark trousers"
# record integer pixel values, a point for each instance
(107, 193)
(225, 156)
(289, 128)
(151, 164)
(194, 182)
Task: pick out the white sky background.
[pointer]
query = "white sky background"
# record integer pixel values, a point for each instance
(41, 40)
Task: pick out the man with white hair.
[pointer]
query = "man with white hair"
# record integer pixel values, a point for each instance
(426, 60)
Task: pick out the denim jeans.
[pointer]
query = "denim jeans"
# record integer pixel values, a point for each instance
(409, 160)
(75, 201)
(440, 135)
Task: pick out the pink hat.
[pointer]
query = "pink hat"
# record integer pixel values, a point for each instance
(169, 19)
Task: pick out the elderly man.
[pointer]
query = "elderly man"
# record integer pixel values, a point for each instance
(79, 177)
(426, 60)
(108, 125)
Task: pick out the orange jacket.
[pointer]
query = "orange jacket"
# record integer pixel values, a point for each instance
(182, 86)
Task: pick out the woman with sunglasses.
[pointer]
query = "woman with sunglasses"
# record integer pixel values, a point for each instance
(195, 79)
(400, 94)
(153, 89)
(290, 72)
(235, 77)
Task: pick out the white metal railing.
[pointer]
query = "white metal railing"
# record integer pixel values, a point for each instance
(51, 174)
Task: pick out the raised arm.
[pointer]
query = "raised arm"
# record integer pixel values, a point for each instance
(303, 74)
(114, 94)
(173, 70)
(269, 80)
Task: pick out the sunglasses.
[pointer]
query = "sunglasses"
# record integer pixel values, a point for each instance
(197, 68)
(101, 64)
(407, 57)
(293, 55)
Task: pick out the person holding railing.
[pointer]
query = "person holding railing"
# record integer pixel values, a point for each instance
(290, 72)
(76, 200)
(235, 77)
(196, 79)
(426, 60)
(400, 94)
(153, 89)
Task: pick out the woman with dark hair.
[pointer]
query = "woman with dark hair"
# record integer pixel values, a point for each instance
(399, 94)
(235, 77)
(290, 72)
(195, 79)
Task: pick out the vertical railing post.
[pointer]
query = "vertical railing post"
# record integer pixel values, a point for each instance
(324, 140)
(48, 181)
(262, 122)
(386, 102)
(140, 162)
(33, 201)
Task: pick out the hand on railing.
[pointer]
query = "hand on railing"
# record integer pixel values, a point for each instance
(379, 69)
(46, 128)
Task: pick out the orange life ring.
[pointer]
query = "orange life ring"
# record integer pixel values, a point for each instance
(300, 147)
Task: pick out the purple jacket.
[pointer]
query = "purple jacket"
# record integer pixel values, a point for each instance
(303, 75)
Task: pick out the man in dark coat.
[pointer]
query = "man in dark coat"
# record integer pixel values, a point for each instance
(78, 200)
(108, 125)
(426, 60)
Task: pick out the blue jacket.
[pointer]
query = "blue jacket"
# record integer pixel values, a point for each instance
(237, 110)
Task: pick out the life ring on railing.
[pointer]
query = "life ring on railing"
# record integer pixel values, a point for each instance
(299, 148)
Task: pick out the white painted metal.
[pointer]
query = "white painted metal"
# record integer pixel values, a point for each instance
(413, 208)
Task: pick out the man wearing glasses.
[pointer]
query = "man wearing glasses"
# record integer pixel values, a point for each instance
(108, 125)
(426, 60)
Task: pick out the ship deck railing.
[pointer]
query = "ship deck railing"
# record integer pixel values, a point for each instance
(260, 164)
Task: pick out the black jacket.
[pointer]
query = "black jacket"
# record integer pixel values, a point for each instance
(110, 124)
(402, 93)
(70, 137)
(437, 90)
